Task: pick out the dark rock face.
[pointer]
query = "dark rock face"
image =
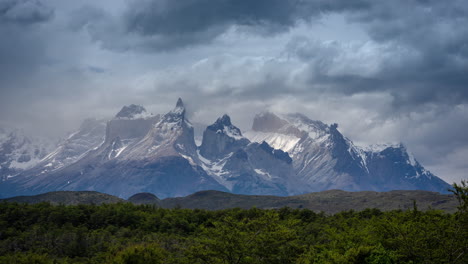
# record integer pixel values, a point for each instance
(347, 162)
(250, 168)
(277, 153)
(180, 103)
(221, 138)
(398, 170)
(324, 159)
(130, 111)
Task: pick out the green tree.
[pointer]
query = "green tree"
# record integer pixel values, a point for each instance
(141, 254)
(259, 237)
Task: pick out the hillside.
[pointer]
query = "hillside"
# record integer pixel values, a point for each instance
(330, 202)
(67, 198)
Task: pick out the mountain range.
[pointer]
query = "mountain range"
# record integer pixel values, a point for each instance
(140, 152)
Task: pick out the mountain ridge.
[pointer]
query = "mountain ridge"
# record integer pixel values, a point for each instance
(325, 159)
(282, 155)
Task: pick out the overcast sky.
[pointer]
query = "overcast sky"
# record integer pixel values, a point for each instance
(385, 71)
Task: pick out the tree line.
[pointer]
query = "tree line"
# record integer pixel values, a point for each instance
(127, 233)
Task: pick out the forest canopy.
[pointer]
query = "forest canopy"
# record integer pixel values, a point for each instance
(127, 233)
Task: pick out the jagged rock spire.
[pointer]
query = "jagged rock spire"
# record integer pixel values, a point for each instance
(179, 103)
(179, 109)
(224, 124)
(225, 120)
(221, 138)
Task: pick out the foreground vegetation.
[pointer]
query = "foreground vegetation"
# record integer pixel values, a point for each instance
(127, 233)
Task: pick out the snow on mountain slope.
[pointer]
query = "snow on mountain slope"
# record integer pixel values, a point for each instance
(149, 154)
(89, 136)
(276, 140)
(324, 159)
(241, 166)
(19, 152)
(173, 134)
(221, 138)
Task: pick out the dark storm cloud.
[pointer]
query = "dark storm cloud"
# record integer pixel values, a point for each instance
(21, 47)
(24, 11)
(156, 25)
(173, 18)
(166, 17)
(427, 38)
(434, 32)
(430, 53)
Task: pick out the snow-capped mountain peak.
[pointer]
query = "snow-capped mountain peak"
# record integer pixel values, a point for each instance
(324, 158)
(177, 115)
(180, 108)
(224, 125)
(242, 166)
(172, 134)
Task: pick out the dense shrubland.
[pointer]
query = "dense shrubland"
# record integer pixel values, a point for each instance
(126, 233)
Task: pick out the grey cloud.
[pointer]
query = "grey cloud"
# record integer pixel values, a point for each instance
(434, 31)
(426, 46)
(189, 17)
(17, 55)
(24, 12)
(85, 15)
(426, 51)
(22, 46)
(168, 17)
(178, 24)
(163, 25)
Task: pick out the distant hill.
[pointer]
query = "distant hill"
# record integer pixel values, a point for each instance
(330, 202)
(67, 198)
(144, 198)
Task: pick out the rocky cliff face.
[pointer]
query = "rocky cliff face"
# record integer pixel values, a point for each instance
(241, 166)
(221, 138)
(141, 153)
(324, 159)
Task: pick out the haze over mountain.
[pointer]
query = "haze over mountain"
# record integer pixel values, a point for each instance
(281, 155)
